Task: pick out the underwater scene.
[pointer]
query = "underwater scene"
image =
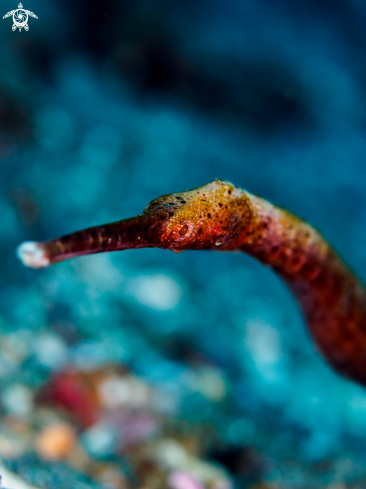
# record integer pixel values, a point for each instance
(145, 368)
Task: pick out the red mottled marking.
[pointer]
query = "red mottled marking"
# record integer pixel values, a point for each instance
(219, 216)
(73, 391)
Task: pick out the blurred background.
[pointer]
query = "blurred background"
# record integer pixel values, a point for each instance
(151, 370)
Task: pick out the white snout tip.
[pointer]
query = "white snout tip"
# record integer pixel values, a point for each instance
(32, 255)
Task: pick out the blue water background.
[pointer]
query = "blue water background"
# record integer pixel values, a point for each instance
(104, 107)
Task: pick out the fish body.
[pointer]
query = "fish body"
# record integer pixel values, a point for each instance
(219, 216)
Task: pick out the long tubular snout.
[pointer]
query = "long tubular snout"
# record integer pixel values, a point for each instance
(120, 235)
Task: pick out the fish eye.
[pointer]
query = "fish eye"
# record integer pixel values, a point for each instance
(183, 230)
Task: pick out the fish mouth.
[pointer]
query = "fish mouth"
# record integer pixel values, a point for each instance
(32, 255)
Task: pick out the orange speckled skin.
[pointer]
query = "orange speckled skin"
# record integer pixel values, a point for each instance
(219, 216)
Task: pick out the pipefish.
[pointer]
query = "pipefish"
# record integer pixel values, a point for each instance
(220, 216)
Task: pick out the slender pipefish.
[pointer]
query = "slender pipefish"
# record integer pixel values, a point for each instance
(220, 216)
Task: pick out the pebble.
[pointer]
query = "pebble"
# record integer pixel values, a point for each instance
(117, 391)
(17, 399)
(189, 469)
(111, 477)
(210, 382)
(158, 291)
(8, 480)
(101, 440)
(50, 351)
(183, 480)
(14, 348)
(10, 447)
(56, 441)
